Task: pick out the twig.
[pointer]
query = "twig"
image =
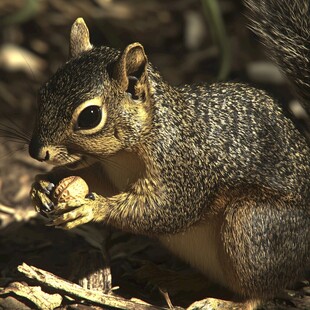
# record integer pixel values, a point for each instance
(167, 298)
(7, 210)
(34, 294)
(73, 289)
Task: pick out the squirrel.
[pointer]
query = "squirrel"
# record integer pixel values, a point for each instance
(218, 173)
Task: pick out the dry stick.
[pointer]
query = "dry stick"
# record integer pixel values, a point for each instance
(73, 289)
(6, 209)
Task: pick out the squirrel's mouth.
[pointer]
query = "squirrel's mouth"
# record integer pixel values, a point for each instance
(74, 165)
(81, 161)
(61, 157)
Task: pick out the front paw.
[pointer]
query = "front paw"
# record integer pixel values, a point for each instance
(76, 212)
(40, 195)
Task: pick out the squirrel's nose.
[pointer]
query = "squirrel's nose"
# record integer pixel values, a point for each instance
(38, 151)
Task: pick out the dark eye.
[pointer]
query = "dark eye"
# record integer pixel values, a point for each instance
(89, 118)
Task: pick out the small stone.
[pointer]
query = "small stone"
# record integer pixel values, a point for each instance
(306, 290)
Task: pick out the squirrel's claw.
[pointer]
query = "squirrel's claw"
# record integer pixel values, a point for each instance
(65, 207)
(39, 194)
(47, 207)
(47, 188)
(73, 218)
(74, 212)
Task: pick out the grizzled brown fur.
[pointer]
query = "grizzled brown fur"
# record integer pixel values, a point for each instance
(217, 172)
(284, 30)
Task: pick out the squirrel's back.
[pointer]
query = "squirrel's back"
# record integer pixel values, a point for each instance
(242, 132)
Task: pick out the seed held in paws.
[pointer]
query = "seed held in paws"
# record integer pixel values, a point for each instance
(70, 188)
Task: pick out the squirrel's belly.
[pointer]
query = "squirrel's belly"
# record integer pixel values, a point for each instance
(200, 246)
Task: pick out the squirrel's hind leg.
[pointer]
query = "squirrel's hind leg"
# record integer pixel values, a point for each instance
(266, 244)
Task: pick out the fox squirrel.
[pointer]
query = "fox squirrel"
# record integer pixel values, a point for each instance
(216, 172)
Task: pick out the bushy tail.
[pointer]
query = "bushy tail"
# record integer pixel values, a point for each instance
(284, 27)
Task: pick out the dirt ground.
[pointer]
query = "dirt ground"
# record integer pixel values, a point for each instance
(180, 40)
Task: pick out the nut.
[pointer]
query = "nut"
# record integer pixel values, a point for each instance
(70, 188)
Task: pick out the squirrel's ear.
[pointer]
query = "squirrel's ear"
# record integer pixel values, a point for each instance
(79, 38)
(131, 65)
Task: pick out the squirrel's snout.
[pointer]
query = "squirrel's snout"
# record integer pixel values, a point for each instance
(38, 151)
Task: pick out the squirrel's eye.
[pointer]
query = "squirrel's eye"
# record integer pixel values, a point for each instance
(90, 117)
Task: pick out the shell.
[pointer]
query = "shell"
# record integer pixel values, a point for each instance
(70, 188)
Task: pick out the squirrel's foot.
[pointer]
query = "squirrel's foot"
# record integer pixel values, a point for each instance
(76, 212)
(40, 196)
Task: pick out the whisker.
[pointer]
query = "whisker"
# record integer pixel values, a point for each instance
(29, 67)
(12, 152)
(18, 126)
(12, 127)
(16, 129)
(15, 140)
(13, 132)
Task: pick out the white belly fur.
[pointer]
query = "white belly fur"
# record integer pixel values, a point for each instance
(200, 247)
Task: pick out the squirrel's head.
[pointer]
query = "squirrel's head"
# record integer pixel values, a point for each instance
(97, 104)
